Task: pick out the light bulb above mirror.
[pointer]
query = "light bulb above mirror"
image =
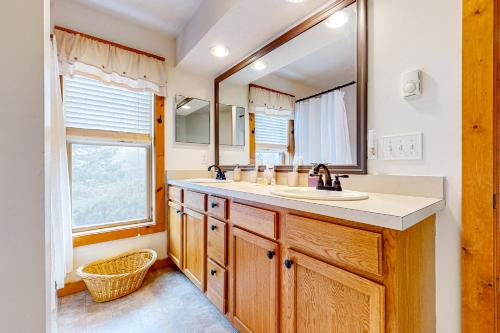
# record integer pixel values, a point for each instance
(336, 20)
(219, 51)
(259, 65)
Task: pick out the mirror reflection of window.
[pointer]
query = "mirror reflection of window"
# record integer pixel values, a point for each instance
(192, 120)
(231, 125)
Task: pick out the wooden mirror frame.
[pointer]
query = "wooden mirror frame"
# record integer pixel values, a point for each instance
(362, 71)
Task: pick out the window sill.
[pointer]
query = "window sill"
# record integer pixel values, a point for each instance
(114, 233)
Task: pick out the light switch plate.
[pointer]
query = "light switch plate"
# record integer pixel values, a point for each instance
(403, 147)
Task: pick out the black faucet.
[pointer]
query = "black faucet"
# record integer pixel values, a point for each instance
(220, 174)
(327, 185)
(328, 180)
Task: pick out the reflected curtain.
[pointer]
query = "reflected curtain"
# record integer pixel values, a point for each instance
(271, 103)
(321, 130)
(60, 198)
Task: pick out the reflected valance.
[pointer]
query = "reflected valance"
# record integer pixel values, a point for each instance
(271, 102)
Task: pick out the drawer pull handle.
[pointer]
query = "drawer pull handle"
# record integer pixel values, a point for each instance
(213, 227)
(288, 263)
(213, 272)
(270, 254)
(214, 204)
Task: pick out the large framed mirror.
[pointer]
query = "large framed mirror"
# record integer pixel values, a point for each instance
(304, 95)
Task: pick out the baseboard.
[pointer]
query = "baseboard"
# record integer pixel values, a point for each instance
(78, 286)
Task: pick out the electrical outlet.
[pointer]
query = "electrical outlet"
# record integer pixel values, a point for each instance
(402, 147)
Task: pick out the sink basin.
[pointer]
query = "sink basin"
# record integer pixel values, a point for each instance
(314, 194)
(208, 180)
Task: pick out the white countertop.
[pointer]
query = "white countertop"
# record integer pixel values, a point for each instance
(398, 212)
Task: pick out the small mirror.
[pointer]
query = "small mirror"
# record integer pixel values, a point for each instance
(192, 120)
(231, 125)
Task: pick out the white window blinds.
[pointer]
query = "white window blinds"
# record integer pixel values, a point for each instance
(91, 104)
(271, 130)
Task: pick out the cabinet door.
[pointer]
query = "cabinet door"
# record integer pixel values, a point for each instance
(255, 283)
(318, 297)
(174, 233)
(194, 247)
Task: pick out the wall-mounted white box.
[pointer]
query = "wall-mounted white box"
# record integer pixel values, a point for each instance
(402, 147)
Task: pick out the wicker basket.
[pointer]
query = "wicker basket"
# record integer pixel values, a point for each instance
(118, 276)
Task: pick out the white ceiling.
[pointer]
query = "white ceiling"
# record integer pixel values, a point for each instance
(245, 27)
(167, 16)
(319, 58)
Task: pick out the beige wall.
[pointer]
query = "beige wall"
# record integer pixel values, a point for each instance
(25, 243)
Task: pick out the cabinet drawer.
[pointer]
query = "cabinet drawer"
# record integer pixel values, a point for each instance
(216, 285)
(196, 201)
(344, 246)
(216, 240)
(175, 194)
(217, 207)
(258, 220)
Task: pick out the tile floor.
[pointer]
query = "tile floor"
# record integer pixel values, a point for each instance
(167, 303)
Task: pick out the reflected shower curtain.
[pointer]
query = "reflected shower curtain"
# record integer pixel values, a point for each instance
(321, 130)
(60, 199)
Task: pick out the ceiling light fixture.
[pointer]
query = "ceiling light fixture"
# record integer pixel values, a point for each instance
(336, 20)
(219, 51)
(295, 1)
(259, 65)
(186, 107)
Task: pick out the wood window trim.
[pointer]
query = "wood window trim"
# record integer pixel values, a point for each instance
(106, 235)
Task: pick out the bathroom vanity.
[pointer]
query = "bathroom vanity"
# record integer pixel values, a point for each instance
(274, 264)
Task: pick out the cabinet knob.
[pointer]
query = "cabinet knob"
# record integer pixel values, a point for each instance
(214, 204)
(270, 254)
(178, 212)
(288, 263)
(212, 272)
(213, 227)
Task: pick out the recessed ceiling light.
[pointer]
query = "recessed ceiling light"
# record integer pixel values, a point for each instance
(295, 1)
(186, 107)
(219, 51)
(259, 65)
(336, 20)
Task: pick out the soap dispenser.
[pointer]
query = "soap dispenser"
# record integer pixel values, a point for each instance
(313, 179)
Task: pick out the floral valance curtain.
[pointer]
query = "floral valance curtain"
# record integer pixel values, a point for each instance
(271, 103)
(80, 55)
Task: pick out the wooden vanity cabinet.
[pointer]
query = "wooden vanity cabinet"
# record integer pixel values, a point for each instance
(175, 233)
(255, 291)
(194, 247)
(319, 297)
(271, 269)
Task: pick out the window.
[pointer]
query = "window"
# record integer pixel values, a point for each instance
(110, 153)
(271, 139)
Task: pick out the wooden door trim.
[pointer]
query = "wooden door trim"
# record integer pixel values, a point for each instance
(479, 165)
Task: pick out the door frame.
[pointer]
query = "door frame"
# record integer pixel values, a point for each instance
(480, 154)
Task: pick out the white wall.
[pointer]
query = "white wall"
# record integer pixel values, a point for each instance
(24, 287)
(426, 34)
(178, 156)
